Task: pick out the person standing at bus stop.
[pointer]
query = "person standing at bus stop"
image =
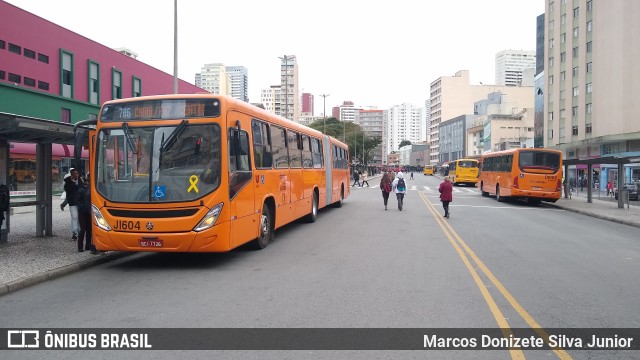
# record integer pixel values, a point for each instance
(71, 188)
(83, 202)
(400, 188)
(446, 194)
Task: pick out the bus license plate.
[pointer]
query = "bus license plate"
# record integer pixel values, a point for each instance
(537, 188)
(150, 243)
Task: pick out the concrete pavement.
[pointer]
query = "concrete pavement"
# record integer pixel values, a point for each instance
(27, 259)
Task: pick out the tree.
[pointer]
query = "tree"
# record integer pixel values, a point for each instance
(360, 145)
(403, 143)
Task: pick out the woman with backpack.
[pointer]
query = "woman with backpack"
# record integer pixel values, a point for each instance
(385, 186)
(400, 188)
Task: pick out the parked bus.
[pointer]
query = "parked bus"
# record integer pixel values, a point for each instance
(464, 171)
(205, 173)
(429, 169)
(534, 174)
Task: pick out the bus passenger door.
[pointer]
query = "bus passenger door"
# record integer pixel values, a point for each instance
(244, 224)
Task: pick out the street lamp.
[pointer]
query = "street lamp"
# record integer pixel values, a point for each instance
(324, 112)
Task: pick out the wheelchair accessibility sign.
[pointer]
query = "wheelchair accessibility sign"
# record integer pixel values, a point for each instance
(160, 191)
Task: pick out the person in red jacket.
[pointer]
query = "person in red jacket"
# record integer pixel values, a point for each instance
(446, 195)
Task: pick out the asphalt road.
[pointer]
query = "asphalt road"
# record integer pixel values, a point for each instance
(490, 265)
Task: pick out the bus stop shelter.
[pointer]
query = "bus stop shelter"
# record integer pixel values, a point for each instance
(43, 133)
(620, 161)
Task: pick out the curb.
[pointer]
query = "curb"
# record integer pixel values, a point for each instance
(598, 216)
(28, 281)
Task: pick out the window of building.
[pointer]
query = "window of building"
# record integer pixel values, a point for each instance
(589, 67)
(94, 83)
(563, 19)
(574, 111)
(66, 74)
(15, 49)
(550, 115)
(588, 109)
(576, 12)
(551, 61)
(29, 82)
(550, 134)
(550, 24)
(563, 38)
(15, 78)
(561, 94)
(589, 25)
(575, 72)
(563, 75)
(574, 130)
(563, 57)
(29, 53)
(589, 88)
(43, 58)
(2, 74)
(575, 52)
(575, 32)
(589, 46)
(550, 79)
(43, 85)
(65, 115)
(137, 87)
(2, 44)
(551, 42)
(562, 114)
(575, 91)
(587, 129)
(589, 6)
(116, 84)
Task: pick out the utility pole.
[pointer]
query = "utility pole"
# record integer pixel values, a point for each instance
(175, 46)
(324, 112)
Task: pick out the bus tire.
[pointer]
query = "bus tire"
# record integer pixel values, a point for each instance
(265, 232)
(484, 193)
(313, 215)
(338, 203)
(534, 201)
(498, 197)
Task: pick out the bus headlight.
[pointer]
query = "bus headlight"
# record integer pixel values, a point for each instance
(100, 220)
(210, 219)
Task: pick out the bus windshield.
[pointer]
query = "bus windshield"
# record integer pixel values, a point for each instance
(140, 166)
(538, 160)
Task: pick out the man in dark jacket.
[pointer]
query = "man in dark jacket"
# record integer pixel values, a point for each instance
(71, 188)
(83, 202)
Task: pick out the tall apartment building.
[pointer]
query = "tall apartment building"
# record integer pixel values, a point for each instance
(213, 78)
(239, 82)
(510, 65)
(404, 122)
(371, 122)
(289, 95)
(592, 81)
(345, 112)
(270, 99)
(307, 104)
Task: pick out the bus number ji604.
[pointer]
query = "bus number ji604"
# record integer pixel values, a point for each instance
(127, 225)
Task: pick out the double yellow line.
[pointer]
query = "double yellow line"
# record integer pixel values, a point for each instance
(465, 252)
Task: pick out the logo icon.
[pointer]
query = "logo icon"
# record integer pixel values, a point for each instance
(22, 339)
(149, 226)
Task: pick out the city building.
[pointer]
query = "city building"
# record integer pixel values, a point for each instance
(510, 65)
(307, 103)
(371, 122)
(452, 96)
(270, 99)
(345, 112)
(238, 82)
(453, 136)
(289, 106)
(404, 122)
(213, 78)
(591, 83)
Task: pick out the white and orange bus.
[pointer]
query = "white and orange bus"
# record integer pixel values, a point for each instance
(205, 173)
(534, 174)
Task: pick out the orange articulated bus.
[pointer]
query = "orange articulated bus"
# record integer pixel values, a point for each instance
(205, 173)
(534, 174)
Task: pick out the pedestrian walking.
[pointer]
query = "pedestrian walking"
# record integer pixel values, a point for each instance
(400, 188)
(71, 188)
(411, 177)
(356, 178)
(364, 178)
(385, 186)
(446, 195)
(83, 202)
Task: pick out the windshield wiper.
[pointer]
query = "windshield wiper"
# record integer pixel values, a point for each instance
(171, 139)
(125, 128)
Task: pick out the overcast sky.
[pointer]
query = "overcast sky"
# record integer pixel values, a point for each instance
(375, 53)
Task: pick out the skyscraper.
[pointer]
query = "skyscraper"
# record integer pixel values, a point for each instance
(239, 82)
(289, 96)
(307, 103)
(510, 65)
(213, 78)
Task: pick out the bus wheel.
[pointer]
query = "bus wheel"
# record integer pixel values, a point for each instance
(266, 229)
(484, 193)
(313, 215)
(338, 203)
(533, 201)
(498, 197)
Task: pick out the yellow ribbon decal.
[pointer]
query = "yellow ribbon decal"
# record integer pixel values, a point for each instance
(193, 180)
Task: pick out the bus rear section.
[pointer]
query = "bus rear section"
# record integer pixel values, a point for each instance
(464, 171)
(428, 170)
(537, 176)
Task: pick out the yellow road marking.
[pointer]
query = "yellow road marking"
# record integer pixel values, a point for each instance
(448, 229)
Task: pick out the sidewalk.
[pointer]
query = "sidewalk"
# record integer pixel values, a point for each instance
(27, 260)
